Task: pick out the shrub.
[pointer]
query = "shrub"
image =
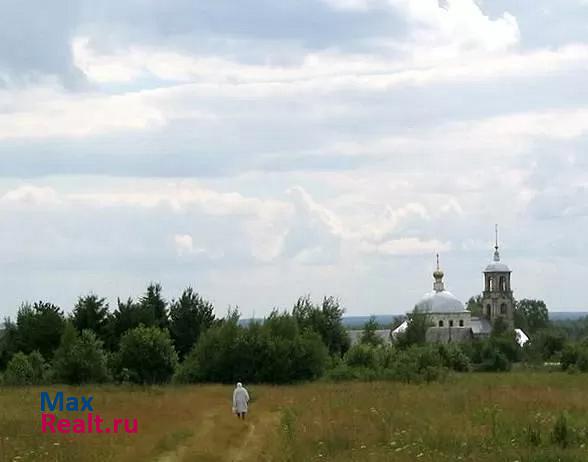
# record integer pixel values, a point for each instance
(454, 358)
(493, 360)
(362, 355)
(19, 371)
(148, 354)
(80, 358)
(274, 352)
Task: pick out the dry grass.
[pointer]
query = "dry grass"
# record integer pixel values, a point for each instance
(471, 418)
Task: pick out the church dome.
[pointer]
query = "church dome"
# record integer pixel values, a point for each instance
(439, 300)
(497, 267)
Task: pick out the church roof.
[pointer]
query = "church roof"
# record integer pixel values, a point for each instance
(439, 300)
(496, 266)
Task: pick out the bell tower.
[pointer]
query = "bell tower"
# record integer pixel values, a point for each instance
(497, 297)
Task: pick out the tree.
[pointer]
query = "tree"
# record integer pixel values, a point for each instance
(91, 312)
(531, 315)
(153, 302)
(190, 315)
(128, 315)
(39, 327)
(326, 320)
(80, 358)
(148, 354)
(416, 331)
(474, 305)
(19, 371)
(8, 342)
(369, 335)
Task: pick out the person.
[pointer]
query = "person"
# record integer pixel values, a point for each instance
(240, 400)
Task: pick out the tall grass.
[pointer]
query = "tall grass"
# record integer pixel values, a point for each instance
(529, 417)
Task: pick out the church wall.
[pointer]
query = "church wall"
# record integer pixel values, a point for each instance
(464, 316)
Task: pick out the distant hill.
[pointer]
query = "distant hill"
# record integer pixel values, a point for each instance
(567, 315)
(357, 322)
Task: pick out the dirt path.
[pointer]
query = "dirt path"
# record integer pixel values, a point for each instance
(220, 436)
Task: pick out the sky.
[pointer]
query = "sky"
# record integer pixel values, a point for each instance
(260, 150)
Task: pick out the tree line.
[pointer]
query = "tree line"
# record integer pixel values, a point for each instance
(152, 340)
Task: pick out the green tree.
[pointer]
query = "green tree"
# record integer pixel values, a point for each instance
(19, 371)
(39, 327)
(80, 358)
(416, 331)
(190, 315)
(8, 342)
(127, 316)
(91, 312)
(474, 305)
(148, 354)
(153, 302)
(326, 320)
(369, 335)
(531, 315)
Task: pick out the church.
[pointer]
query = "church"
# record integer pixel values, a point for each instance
(452, 322)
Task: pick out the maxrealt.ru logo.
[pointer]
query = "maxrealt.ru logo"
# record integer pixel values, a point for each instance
(92, 423)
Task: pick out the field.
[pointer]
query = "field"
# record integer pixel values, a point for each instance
(521, 417)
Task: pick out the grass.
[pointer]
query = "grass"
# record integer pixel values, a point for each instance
(529, 417)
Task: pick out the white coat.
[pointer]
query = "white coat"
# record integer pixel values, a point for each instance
(240, 399)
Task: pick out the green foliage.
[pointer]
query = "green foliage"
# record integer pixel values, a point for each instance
(190, 316)
(155, 305)
(148, 355)
(531, 315)
(561, 431)
(19, 371)
(545, 345)
(8, 342)
(91, 312)
(326, 320)
(362, 355)
(575, 357)
(39, 327)
(416, 331)
(453, 358)
(127, 316)
(275, 351)
(369, 336)
(80, 358)
(474, 305)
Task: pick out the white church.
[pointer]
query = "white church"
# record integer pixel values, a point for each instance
(452, 322)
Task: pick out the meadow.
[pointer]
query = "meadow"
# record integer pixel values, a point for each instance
(521, 416)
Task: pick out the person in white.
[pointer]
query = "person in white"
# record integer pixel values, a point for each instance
(240, 400)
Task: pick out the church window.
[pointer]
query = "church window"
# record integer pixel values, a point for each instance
(488, 311)
(451, 323)
(502, 283)
(461, 323)
(440, 323)
(503, 308)
(491, 284)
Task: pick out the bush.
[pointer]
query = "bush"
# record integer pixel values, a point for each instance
(362, 355)
(275, 351)
(148, 354)
(454, 358)
(493, 360)
(79, 358)
(19, 371)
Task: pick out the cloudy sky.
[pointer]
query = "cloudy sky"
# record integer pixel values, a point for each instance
(260, 150)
